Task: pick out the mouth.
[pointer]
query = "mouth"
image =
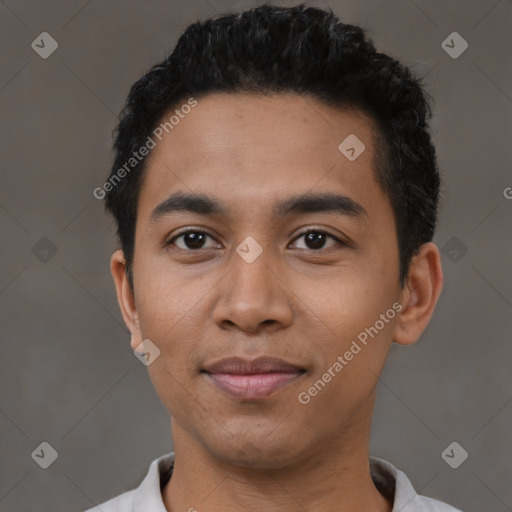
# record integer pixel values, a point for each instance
(252, 380)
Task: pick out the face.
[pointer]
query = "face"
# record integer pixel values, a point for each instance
(293, 256)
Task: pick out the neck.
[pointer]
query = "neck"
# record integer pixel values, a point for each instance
(332, 478)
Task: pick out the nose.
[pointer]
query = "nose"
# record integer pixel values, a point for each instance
(253, 296)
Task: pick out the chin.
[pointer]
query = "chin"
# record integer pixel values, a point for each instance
(252, 451)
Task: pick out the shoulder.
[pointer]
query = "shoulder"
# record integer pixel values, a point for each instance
(425, 504)
(147, 496)
(395, 485)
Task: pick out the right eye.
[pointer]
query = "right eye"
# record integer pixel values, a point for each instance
(192, 238)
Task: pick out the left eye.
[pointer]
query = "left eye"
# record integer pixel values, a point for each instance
(317, 239)
(194, 239)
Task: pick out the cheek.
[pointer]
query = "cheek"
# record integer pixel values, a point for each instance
(173, 313)
(162, 315)
(347, 376)
(347, 299)
(351, 318)
(166, 297)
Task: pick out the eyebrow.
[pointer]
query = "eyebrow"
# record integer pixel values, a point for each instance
(307, 203)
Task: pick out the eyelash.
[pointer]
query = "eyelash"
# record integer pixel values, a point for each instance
(310, 230)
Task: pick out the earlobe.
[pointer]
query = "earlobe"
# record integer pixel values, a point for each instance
(125, 296)
(419, 295)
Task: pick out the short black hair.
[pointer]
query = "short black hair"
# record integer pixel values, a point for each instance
(301, 50)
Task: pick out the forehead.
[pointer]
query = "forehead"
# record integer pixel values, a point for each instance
(250, 152)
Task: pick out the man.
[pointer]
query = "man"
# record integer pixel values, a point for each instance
(275, 190)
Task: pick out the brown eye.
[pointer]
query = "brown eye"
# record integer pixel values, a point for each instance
(315, 239)
(192, 240)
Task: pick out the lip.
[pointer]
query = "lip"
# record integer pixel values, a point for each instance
(252, 379)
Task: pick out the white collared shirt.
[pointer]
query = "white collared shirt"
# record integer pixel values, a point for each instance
(389, 480)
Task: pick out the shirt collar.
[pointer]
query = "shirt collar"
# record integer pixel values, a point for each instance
(394, 485)
(390, 482)
(148, 496)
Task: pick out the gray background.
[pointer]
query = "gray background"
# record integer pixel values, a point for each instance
(68, 375)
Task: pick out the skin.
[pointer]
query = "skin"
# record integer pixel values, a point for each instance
(297, 301)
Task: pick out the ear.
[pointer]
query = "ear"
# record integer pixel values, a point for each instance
(125, 296)
(419, 294)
